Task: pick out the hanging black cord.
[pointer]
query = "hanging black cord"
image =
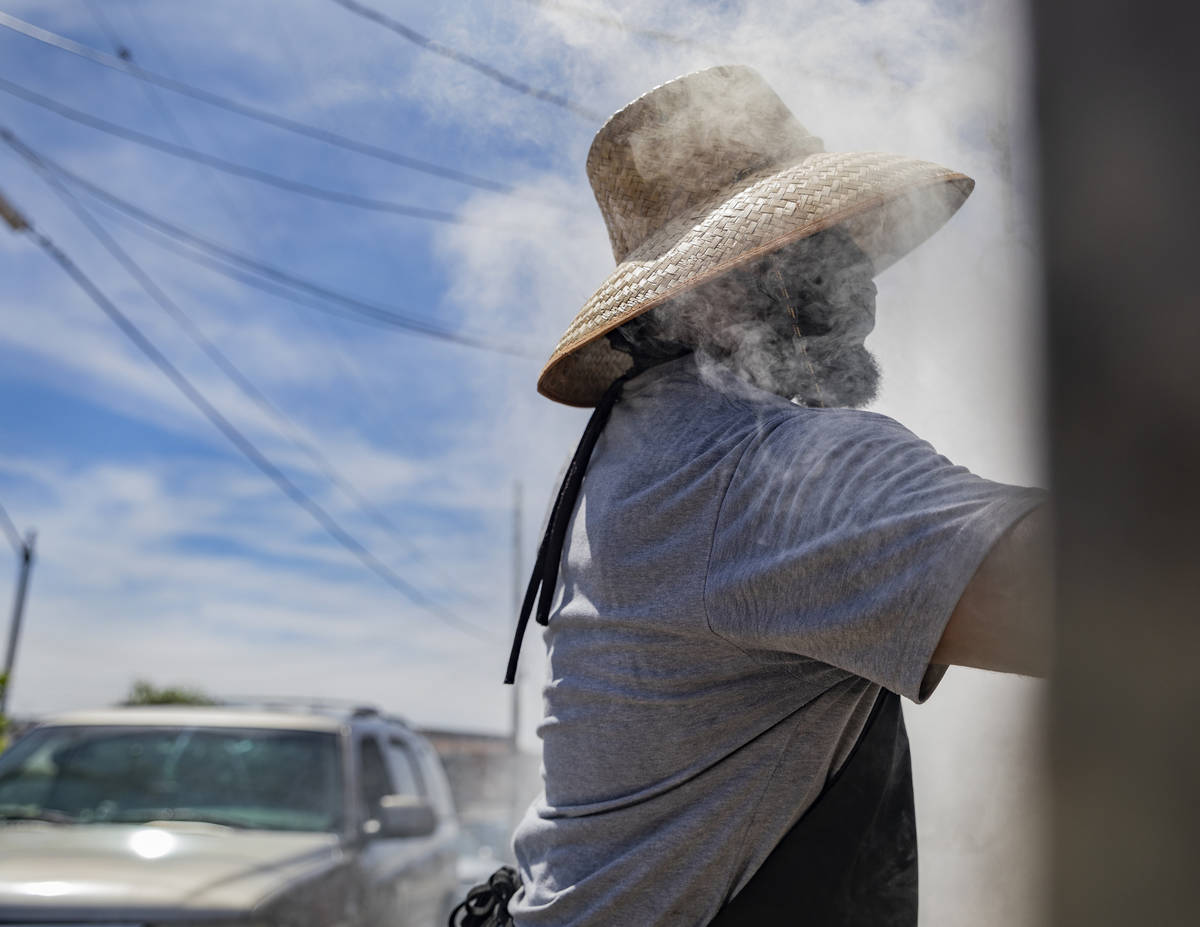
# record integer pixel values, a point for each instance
(545, 568)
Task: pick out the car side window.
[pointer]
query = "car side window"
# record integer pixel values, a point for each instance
(405, 770)
(376, 783)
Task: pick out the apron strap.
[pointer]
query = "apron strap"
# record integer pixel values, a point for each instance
(545, 566)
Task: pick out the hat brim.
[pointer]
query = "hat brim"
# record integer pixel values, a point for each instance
(888, 203)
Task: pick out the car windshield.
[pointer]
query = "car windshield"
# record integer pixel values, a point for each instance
(238, 777)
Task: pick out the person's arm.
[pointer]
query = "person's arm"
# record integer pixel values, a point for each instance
(1003, 620)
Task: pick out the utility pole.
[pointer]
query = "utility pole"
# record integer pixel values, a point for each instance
(514, 749)
(11, 215)
(24, 549)
(517, 597)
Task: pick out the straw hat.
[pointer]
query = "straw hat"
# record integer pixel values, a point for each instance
(711, 171)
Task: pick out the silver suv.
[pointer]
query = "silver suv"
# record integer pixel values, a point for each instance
(206, 816)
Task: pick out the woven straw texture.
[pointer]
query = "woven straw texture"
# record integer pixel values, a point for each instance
(686, 200)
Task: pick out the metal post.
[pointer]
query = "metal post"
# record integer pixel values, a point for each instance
(517, 591)
(14, 627)
(514, 750)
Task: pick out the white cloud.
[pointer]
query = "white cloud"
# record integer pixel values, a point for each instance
(113, 597)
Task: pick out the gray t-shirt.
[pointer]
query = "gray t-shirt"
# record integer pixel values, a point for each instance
(740, 577)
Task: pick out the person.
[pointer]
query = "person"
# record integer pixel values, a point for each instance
(744, 571)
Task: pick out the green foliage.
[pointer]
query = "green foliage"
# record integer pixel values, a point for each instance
(144, 692)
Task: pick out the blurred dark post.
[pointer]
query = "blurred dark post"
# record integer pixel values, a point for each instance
(1118, 94)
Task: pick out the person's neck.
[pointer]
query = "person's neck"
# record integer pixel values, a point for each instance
(814, 373)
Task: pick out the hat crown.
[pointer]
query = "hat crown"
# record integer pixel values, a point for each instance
(685, 143)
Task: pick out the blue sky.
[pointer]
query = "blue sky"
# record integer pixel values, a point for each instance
(164, 554)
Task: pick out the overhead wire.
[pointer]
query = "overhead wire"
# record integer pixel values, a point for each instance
(616, 22)
(242, 443)
(331, 473)
(14, 536)
(154, 96)
(244, 277)
(251, 173)
(242, 381)
(726, 53)
(159, 237)
(358, 308)
(247, 387)
(136, 18)
(463, 58)
(122, 50)
(307, 76)
(378, 152)
(331, 342)
(294, 432)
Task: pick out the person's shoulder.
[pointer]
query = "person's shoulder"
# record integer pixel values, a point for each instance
(703, 388)
(838, 442)
(842, 424)
(710, 391)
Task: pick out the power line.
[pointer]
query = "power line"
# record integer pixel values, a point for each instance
(152, 93)
(462, 58)
(106, 27)
(307, 295)
(252, 112)
(607, 19)
(160, 238)
(301, 70)
(360, 309)
(724, 53)
(327, 468)
(235, 374)
(243, 444)
(252, 173)
(14, 536)
(247, 278)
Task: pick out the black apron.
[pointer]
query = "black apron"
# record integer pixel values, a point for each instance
(851, 859)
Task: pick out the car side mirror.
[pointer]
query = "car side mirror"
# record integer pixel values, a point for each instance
(402, 816)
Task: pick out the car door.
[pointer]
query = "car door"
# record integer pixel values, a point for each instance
(394, 872)
(437, 858)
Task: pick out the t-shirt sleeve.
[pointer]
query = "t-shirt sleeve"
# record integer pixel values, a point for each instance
(846, 539)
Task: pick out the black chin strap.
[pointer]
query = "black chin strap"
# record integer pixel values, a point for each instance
(545, 568)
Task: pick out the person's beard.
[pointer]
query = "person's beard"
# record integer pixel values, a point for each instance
(848, 375)
(793, 323)
(821, 370)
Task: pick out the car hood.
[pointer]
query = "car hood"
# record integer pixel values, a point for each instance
(160, 870)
